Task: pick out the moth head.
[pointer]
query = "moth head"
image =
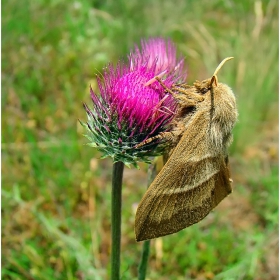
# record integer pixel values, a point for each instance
(212, 83)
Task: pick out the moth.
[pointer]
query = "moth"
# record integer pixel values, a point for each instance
(196, 176)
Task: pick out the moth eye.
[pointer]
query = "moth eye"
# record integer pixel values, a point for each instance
(204, 90)
(186, 111)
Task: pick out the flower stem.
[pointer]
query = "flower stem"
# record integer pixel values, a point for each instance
(116, 206)
(142, 269)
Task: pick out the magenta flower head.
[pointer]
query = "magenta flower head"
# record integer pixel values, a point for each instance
(132, 105)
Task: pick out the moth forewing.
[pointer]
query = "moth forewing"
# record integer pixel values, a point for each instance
(183, 193)
(196, 176)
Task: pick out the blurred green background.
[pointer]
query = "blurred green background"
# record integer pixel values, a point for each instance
(55, 190)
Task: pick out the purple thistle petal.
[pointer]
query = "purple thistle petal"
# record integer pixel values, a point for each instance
(159, 54)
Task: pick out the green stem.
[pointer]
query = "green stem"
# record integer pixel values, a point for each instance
(142, 269)
(116, 206)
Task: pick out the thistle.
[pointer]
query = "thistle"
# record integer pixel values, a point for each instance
(132, 105)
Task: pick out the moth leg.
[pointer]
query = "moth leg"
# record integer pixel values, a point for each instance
(187, 102)
(165, 87)
(168, 136)
(195, 97)
(184, 85)
(188, 94)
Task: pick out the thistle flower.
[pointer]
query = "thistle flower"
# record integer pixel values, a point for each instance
(132, 105)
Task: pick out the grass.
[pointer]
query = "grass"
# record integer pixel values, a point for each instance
(56, 193)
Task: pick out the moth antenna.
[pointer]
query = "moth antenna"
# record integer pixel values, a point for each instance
(214, 77)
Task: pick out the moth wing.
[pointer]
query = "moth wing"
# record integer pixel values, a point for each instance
(188, 187)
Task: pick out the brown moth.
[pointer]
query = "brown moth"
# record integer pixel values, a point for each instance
(196, 176)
